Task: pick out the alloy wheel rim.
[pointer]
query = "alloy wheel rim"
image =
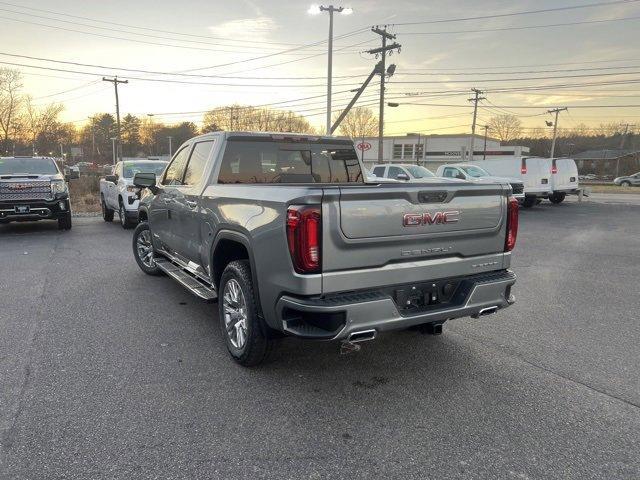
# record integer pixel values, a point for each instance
(145, 249)
(234, 308)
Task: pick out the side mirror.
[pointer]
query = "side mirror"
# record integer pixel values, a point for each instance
(145, 180)
(402, 176)
(111, 178)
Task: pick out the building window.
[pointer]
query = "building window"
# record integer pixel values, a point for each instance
(408, 150)
(397, 151)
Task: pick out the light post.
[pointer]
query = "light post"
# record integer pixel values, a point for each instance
(170, 149)
(152, 136)
(315, 10)
(113, 146)
(417, 146)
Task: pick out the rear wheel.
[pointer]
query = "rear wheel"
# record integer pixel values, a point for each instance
(64, 223)
(143, 250)
(557, 197)
(245, 333)
(529, 202)
(107, 213)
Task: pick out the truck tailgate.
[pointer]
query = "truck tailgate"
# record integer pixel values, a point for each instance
(385, 234)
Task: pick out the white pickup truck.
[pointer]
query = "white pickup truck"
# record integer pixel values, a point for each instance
(118, 194)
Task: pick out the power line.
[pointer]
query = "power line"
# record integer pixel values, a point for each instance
(515, 14)
(524, 27)
(146, 28)
(216, 44)
(155, 72)
(521, 72)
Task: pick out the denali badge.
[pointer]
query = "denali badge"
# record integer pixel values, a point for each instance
(438, 218)
(18, 186)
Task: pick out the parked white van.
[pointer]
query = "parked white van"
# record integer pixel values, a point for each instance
(535, 173)
(564, 179)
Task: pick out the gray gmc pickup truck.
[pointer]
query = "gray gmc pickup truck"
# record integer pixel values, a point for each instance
(289, 233)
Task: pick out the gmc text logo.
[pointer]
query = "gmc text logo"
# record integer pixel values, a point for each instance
(437, 218)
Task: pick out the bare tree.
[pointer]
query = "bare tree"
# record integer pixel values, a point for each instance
(358, 123)
(506, 127)
(10, 103)
(40, 120)
(247, 118)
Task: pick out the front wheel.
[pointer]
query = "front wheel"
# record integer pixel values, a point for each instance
(143, 250)
(625, 184)
(557, 197)
(64, 223)
(245, 333)
(529, 202)
(124, 221)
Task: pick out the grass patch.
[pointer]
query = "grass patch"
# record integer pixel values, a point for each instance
(85, 194)
(613, 189)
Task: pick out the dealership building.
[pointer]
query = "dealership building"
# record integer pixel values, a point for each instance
(433, 150)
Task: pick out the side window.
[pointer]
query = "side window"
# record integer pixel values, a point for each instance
(449, 172)
(378, 171)
(394, 172)
(175, 170)
(197, 162)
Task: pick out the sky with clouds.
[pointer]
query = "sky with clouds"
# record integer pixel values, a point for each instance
(257, 42)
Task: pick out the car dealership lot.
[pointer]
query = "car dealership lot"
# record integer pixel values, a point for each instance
(109, 373)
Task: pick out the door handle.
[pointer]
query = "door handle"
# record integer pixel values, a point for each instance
(191, 204)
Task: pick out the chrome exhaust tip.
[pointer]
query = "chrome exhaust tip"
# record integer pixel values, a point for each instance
(488, 311)
(361, 336)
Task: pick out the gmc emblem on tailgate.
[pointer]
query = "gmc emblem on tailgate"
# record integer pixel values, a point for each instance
(437, 218)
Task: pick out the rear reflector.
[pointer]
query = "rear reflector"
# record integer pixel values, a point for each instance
(304, 227)
(512, 224)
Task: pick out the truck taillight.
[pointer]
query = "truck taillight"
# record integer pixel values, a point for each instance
(304, 227)
(554, 167)
(512, 224)
(523, 166)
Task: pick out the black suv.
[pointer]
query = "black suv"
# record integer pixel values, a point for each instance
(33, 188)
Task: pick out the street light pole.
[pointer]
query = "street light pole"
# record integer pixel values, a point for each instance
(113, 147)
(314, 10)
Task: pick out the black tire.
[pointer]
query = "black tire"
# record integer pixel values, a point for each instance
(107, 213)
(625, 184)
(529, 202)
(557, 197)
(64, 223)
(150, 268)
(258, 342)
(124, 221)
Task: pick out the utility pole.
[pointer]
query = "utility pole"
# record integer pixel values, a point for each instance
(624, 135)
(383, 51)
(484, 150)
(115, 82)
(170, 147)
(555, 128)
(475, 101)
(113, 147)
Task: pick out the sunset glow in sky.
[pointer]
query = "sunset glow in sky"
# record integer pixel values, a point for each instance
(595, 61)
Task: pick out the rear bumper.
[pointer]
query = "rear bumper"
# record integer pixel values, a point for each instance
(38, 210)
(351, 312)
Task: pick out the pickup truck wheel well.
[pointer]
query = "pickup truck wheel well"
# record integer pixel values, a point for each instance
(226, 252)
(142, 216)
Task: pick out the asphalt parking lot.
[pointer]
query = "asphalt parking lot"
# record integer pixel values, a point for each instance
(108, 373)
